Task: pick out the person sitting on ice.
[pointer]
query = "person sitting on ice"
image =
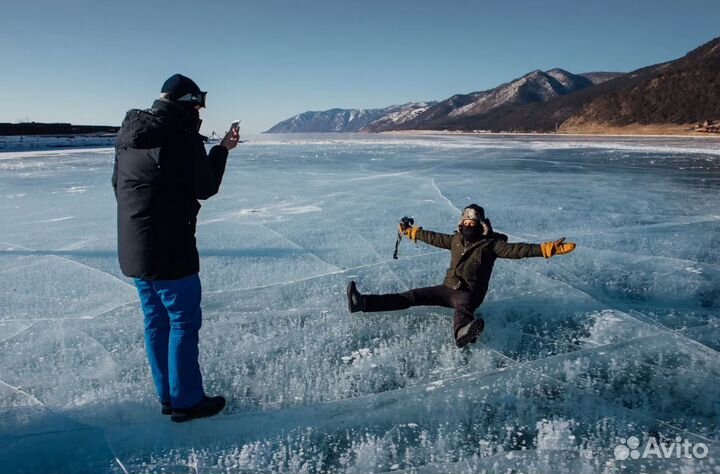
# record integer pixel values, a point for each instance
(473, 250)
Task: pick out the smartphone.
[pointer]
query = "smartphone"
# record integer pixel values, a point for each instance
(235, 125)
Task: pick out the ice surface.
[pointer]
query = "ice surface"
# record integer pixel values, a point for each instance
(618, 339)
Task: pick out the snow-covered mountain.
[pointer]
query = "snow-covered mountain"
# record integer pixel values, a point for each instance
(679, 93)
(347, 120)
(600, 77)
(397, 118)
(536, 86)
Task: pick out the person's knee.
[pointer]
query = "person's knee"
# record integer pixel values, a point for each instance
(186, 323)
(157, 322)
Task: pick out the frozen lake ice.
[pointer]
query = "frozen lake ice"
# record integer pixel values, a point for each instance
(619, 339)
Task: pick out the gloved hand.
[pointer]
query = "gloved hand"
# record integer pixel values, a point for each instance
(559, 247)
(405, 227)
(409, 231)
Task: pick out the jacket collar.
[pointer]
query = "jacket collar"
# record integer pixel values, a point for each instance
(485, 241)
(182, 118)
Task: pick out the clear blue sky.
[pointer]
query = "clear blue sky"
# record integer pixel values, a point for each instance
(88, 61)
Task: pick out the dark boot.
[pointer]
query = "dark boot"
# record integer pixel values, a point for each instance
(355, 299)
(166, 408)
(469, 333)
(208, 407)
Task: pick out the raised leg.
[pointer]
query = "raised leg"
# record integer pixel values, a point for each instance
(429, 296)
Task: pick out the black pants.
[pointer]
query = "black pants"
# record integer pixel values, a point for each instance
(463, 302)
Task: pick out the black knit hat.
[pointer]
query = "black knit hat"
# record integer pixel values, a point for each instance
(182, 88)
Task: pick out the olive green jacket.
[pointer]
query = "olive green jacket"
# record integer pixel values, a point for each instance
(471, 264)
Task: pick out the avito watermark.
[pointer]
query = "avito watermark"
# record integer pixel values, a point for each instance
(665, 449)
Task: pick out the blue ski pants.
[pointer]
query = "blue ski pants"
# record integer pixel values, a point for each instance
(172, 322)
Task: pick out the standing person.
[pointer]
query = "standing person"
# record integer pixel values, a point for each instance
(473, 250)
(161, 170)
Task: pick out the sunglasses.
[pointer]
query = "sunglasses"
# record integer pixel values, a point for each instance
(198, 99)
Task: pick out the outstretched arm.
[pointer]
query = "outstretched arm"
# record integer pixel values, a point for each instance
(523, 250)
(436, 239)
(518, 250)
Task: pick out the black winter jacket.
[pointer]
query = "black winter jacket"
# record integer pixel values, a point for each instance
(471, 264)
(161, 170)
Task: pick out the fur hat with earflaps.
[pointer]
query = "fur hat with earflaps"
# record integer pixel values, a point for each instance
(473, 212)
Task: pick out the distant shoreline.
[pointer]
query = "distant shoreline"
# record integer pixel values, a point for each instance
(54, 129)
(29, 143)
(21, 143)
(558, 134)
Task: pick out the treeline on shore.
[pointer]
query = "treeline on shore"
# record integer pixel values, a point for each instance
(37, 128)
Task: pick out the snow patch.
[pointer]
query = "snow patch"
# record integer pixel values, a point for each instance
(555, 434)
(604, 327)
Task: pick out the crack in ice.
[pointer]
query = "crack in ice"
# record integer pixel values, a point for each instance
(322, 275)
(73, 262)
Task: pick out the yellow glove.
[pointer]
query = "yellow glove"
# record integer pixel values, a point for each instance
(559, 247)
(409, 232)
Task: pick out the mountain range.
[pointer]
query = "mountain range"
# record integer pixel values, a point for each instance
(679, 92)
(349, 120)
(536, 86)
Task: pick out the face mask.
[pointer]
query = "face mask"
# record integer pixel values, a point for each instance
(193, 114)
(471, 233)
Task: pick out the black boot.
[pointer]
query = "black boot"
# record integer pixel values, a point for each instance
(208, 407)
(355, 299)
(166, 408)
(469, 333)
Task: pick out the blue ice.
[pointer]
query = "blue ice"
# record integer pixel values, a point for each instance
(618, 339)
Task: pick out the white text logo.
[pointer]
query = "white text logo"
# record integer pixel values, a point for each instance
(679, 448)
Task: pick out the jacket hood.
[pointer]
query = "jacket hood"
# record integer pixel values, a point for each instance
(144, 129)
(141, 129)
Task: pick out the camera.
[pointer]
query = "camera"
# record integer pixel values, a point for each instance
(406, 222)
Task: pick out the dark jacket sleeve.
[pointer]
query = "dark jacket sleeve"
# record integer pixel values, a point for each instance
(209, 170)
(520, 250)
(436, 239)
